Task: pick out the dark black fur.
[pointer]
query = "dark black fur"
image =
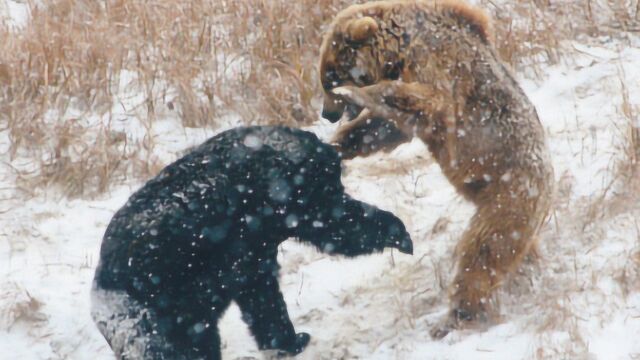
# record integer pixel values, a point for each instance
(205, 231)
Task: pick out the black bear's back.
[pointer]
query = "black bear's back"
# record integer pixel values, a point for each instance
(188, 214)
(294, 144)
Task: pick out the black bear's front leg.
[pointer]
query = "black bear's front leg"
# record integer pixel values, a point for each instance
(353, 228)
(264, 310)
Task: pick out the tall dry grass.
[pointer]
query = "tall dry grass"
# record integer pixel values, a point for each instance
(199, 61)
(531, 33)
(627, 168)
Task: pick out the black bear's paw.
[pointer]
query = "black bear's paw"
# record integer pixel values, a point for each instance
(404, 245)
(301, 341)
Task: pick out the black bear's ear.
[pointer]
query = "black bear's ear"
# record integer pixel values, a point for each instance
(359, 30)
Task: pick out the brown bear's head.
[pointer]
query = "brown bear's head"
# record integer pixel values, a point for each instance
(348, 57)
(374, 41)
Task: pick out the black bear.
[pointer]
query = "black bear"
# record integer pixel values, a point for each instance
(206, 230)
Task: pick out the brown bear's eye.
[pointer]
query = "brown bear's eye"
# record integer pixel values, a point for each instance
(332, 79)
(392, 70)
(366, 79)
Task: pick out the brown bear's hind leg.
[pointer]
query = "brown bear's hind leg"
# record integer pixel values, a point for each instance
(499, 235)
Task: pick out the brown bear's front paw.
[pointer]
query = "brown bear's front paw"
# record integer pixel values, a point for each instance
(365, 136)
(459, 319)
(441, 330)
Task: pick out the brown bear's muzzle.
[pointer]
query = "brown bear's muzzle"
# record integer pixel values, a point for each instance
(332, 108)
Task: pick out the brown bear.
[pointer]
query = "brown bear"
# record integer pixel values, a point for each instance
(429, 69)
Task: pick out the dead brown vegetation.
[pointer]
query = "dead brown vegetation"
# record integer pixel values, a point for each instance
(197, 61)
(530, 33)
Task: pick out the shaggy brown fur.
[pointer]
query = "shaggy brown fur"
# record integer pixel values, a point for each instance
(428, 69)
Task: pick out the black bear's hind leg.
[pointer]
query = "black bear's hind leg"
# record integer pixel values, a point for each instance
(138, 332)
(264, 310)
(191, 332)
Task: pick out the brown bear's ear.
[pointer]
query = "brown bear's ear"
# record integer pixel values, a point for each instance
(361, 29)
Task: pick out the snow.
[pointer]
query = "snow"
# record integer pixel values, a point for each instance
(14, 13)
(580, 300)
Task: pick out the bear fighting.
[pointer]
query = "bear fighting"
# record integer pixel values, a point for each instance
(205, 231)
(428, 69)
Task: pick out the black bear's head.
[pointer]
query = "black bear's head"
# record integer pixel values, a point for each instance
(296, 177)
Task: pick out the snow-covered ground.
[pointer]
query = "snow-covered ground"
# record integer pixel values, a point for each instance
(581, 300)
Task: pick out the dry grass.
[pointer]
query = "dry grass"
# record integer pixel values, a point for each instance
(195, 59)
(20, 306)
(630, 165)
(530, 33)
(199, 61)
(623, 189)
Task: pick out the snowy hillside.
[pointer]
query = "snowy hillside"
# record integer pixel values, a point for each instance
(580, 300)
